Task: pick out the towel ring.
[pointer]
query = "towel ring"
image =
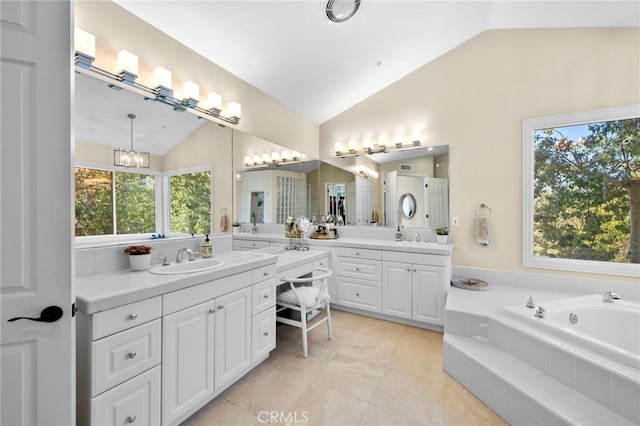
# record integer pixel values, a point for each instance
(483, 208)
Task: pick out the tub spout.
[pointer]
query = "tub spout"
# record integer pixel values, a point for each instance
(610, 296)
(539, 312)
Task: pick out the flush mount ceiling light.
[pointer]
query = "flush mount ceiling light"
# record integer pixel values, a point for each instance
(340, 10)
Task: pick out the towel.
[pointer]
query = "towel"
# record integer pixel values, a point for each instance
(482, 231)
(223, 222)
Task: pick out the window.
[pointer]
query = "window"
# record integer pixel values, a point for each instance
(123, 203)
(581, 172)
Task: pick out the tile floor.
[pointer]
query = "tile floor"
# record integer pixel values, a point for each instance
(372, 372)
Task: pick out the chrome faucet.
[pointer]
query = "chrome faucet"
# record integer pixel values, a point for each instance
(539, 312)
(610, 296)
(189, 252)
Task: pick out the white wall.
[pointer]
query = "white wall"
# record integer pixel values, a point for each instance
(474, 99)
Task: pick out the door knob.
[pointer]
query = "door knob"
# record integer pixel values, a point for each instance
(48, 314)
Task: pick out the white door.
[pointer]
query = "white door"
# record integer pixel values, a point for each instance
(37, 358)
(390, 199)
(187, 360)
(436, 203)
(233, 336)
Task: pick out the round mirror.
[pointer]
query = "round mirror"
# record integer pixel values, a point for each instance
(407, 205)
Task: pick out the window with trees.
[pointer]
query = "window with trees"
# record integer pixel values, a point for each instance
(111, 202)
(582, 191)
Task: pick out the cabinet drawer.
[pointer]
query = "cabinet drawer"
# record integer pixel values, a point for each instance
(254, 244)
(263, 329)
(359, 253)
(263, 273)
(121, 318)
(361, 294)
(359, 268)
(321, 263)
(121, 356)
(134, 402)
(263, 296)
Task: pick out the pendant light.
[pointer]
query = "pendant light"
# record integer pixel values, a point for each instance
(131, 158)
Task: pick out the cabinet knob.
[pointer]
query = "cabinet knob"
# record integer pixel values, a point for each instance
(357, 253)
(408, 269)
(212, 311)
(358, 269)
(358, 294)
(266, 296)
(220, 306)
(266, 333)
(133, 316)
(131, 419)
(266, 274)
(132, 355)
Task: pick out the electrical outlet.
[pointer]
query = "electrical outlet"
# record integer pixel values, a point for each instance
(455, 221)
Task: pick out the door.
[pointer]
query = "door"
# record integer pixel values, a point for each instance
(36, 358)
(390, 199)
(257, 207)
(436, 203)
(187, 360)
(233, 336)
(426, 293)
(396, 289)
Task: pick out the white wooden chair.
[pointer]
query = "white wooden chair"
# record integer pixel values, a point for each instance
(304, 300)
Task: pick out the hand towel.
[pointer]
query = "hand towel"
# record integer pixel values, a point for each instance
(223, 222)
(482, 231)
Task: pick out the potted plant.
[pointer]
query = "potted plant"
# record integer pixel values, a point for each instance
(442, 235)
(139, 257)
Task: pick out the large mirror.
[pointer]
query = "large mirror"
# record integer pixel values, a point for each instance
(335, 190)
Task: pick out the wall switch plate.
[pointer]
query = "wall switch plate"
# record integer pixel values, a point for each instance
(455, 221)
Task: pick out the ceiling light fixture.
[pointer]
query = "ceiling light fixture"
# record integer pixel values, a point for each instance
(130, 158)
(127, 66)
(339, 11)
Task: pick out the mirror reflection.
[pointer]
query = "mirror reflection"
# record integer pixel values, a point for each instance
(336, 190)
(408, 205)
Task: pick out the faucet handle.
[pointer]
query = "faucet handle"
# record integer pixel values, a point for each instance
(165, 260)
(530, 303)
(539, 312)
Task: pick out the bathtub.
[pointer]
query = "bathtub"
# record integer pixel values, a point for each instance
(609, 329)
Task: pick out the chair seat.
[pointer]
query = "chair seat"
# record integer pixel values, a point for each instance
(308, 294)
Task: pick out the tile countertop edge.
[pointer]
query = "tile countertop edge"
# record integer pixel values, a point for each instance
(106, 291)
(363, 243)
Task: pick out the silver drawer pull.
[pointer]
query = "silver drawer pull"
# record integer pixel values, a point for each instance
(358, 294)
(266, 296)
(357, 253)
(408, 269)
(132, 355)
(133, 316)
(358, 269)
(131, 419)
(220, 306)
(266, 333)
(212, 311)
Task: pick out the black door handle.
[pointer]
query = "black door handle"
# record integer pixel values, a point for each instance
(48, 314)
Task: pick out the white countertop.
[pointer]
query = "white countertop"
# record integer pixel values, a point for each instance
(363, 243)
(105, 291)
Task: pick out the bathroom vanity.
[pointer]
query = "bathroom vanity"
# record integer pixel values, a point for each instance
(400, 281)
(153, 349)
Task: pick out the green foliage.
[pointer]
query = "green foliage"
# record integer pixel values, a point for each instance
(582, 192)
(135, 203)
(94, 215)
(191, 203)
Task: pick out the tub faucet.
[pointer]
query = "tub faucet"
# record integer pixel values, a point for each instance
(610, 296)
(189, 252)
(539, 312)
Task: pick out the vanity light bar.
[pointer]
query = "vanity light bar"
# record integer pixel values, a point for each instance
(368, 147)
(367, 172)
(127, 66)
(274, 158)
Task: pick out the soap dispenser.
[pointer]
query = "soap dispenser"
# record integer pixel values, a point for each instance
(398, 234)
(207, 248)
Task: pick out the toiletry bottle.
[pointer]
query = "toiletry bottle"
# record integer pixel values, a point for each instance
(398, 234)
(207, 248)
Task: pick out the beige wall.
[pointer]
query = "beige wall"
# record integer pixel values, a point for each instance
(474, 99)
(116, 29)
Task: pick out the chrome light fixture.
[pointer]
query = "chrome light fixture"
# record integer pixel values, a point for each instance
(127, 66)
(273, 159)
(131, 158)
(367, 146)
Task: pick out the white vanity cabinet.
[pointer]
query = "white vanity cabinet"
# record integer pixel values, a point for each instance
(118, 376)
(245, 245)
(359, 278)
(414, 286)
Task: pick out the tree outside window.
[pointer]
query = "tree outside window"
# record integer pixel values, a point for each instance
(191, 202)
(586, 191)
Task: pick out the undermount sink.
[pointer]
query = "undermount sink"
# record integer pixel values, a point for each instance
(416, 243)
(186, 267)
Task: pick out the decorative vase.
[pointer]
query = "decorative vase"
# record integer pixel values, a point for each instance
(140, 262)
(442, 239)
